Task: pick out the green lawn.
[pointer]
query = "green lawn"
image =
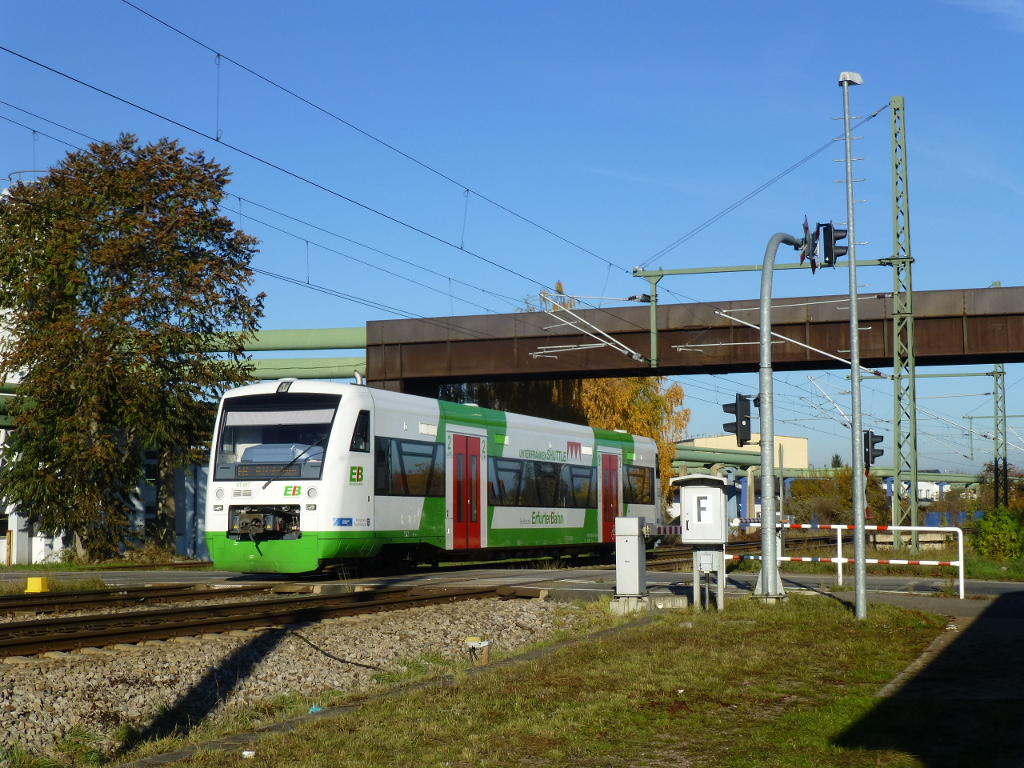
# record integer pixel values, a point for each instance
(753, 686)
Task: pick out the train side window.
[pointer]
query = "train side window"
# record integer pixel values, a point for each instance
(505, 480)
(639, 485)
(584, 486)
(459, 480)
(382, 468)
(409, 468)
(361, 433)
(473, 487)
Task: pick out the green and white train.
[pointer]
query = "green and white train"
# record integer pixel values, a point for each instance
(308, 475)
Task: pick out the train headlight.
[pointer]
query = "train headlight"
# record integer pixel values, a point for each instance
(220, 493)
(312, 492)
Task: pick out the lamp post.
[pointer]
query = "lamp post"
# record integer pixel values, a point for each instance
(846, 79)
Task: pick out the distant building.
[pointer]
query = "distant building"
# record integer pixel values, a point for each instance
(26, 545)
(792, 449)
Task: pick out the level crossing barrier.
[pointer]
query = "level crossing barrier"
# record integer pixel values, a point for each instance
(675, 530)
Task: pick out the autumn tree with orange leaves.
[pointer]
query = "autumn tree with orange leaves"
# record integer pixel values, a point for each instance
(643, 405)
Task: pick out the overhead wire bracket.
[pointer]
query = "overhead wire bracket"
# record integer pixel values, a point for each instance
(585, 327)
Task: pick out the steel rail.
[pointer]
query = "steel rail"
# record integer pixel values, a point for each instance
(75, 632)
(52, 602)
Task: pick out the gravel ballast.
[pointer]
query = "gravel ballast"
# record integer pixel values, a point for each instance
(150, 688)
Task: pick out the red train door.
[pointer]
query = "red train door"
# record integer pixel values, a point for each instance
(466, 492)
(609, 494)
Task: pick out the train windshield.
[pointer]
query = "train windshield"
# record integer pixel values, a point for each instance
(274, 437)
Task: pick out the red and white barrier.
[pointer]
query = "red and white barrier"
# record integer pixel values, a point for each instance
(839, 559)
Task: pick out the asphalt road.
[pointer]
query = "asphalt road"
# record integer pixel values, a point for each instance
(579, 582)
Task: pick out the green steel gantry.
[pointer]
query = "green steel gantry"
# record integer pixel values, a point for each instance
(1000, 468)
(903, 363)
(904, 387)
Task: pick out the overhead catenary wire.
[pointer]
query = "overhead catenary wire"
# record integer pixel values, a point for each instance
(378, 268)
(468, 190)
(274, 166)
(339, 294)
(72, 145)
(291, 174)
(407, 262)
(356, 299)
(262, 223)
(267, 208)
(251, 202)
(750, 195)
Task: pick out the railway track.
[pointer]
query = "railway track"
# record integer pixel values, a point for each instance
(172, 566)
(54, 602)
(69, 633)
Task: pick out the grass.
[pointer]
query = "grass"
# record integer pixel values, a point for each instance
(17, 585)
(755, 685)
(990, 570)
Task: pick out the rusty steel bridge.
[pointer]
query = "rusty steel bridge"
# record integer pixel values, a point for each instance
(952, 327)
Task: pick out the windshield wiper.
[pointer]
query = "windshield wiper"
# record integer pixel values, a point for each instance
(287, 466)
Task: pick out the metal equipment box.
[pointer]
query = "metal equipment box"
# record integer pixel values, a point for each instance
(702, 509)
(630, 557)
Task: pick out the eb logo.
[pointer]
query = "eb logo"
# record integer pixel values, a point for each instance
(293, 490)
(355, 475)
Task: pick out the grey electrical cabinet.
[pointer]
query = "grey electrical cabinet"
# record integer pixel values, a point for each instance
(702, 512)
(630, 557)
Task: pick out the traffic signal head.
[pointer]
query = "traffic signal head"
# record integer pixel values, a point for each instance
(870, 452)
(741, 427)
(830, 251)
(809, 245)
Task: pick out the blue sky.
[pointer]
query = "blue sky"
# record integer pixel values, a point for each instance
(457, 157)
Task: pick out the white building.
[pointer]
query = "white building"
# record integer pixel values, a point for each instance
(25, 545)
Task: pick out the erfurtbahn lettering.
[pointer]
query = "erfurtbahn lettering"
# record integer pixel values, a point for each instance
(547, 518)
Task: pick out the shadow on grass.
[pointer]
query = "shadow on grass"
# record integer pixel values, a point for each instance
(966, 706)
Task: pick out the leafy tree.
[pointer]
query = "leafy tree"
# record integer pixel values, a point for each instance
(118, 275)
(999, 534)
(837, 461)
(827, 497)
(986, 487)
(643, 405)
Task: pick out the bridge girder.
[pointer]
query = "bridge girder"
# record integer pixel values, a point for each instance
(952, 327)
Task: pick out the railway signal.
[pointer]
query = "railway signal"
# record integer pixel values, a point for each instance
(809, 245)
(741, 427)
(870, 452)
(830, 250)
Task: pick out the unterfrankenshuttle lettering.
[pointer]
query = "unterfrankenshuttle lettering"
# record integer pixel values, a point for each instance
(551, 454)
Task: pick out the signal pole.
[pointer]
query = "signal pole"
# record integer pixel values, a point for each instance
(846, 79)
(769, 584)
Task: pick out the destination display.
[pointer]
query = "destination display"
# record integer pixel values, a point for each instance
(266, 471)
